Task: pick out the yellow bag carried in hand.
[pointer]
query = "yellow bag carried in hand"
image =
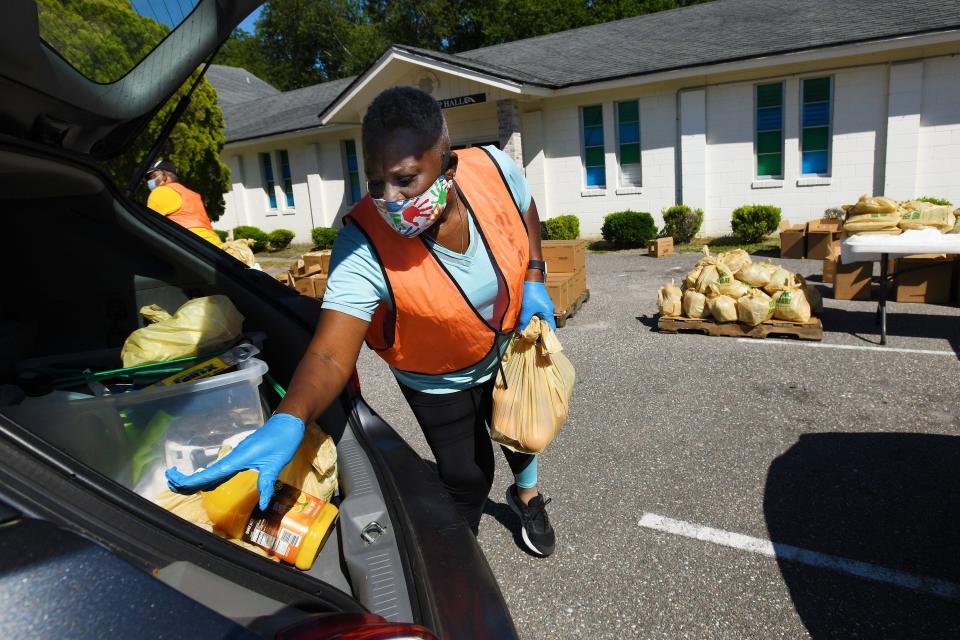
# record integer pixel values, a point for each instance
(530, 409)
(199, 325)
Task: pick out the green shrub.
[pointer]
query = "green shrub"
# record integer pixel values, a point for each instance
(682, 223)
(751, 223)
(563, 228)
(626, 229)
(256, 234)
(323, 237)
(279, 239)
(932, 200)
(223, 235)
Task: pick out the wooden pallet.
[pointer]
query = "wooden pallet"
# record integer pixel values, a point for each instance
(812, 330)
(561, 317)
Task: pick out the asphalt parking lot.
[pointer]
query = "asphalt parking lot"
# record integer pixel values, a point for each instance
(717, 488)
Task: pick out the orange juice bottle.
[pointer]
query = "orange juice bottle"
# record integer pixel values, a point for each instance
(230, 505)
(294, 526)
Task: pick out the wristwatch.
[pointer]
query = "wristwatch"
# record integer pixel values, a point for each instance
(538, 264)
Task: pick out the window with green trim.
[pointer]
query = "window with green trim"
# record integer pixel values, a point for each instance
(269, 185)
(628, 143)
(591, 119)
(815, 134)
(353, 170)
(286, 177)
(769, 126)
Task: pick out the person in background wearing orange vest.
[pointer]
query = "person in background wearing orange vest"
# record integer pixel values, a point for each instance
(436, 268)
(170, 198)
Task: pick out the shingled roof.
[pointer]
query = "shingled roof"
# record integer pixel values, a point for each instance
(700, 35)
(280, 113)
(236, 85)
(719, 31)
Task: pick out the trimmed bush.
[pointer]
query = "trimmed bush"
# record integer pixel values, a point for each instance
(323, 237)
(753, 222)
(222, 234)
(626, 229)
(682, 223)
(562, 228)
(279, 239)
(932, 200)
(256, 234)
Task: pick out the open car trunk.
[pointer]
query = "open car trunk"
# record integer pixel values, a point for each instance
(78, 264)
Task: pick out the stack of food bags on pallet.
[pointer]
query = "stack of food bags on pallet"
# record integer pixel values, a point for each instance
(730, 287)
(876, 215)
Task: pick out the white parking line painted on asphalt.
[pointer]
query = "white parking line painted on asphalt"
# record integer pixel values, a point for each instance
(854, 347)
(761, 546)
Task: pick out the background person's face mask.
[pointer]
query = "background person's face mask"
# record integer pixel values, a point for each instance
(151, 184)
(412, 216)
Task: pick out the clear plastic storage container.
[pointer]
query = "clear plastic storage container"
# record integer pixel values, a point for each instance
(133, 437)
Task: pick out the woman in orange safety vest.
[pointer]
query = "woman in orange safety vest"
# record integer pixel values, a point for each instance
(181, 205)
(435, 268)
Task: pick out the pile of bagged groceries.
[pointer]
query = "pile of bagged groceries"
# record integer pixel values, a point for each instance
(731, 287)
(184, 390)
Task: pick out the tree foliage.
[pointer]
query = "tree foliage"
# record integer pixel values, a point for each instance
(303, 42)
(104, 39)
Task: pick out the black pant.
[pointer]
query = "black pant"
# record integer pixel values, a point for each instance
(455, 425)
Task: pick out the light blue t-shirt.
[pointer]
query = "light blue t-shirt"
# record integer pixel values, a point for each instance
(356, 284)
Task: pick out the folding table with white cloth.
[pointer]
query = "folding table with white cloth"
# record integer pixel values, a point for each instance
(871, 248)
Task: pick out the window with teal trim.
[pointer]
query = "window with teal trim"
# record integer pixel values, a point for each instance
(815, 134)
(353, 170)
(286, 177)
(269, 185)
(593, 155)
(769, 125)
(628, 143)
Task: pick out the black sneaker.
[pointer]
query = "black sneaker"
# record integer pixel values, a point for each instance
(535, 526)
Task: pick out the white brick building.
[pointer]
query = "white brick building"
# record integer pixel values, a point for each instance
(803, 104)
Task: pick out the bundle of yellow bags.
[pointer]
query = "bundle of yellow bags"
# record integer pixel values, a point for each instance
(873, 214)
(916, 214)
(730, 287)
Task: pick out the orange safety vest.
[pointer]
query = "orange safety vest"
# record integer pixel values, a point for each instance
(191, 214)
(429, 326)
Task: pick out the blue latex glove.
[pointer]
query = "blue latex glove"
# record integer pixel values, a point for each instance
(536, 302)
(268, 450)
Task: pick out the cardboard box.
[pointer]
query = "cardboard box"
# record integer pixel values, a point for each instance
(661, 247)
(558, 286)
(319, 285)
(304, 286)
(853, 281)
(565, 256)
(829, 271)
(578, 285)
(823, 237)
(830, 264)
(313, 286)
(319, 259)
(284, 278)
(298, 269)
(792, 240)
(929, 281)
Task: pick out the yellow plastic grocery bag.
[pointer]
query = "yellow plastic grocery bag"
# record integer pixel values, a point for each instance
(199, 325)
(530, 408)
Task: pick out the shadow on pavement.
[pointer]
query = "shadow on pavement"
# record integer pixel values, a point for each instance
(892, 500)
(863, 325)
(648, 321)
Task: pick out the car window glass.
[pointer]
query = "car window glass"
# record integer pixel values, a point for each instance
(105, 39)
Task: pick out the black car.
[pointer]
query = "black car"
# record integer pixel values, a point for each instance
(84, 556)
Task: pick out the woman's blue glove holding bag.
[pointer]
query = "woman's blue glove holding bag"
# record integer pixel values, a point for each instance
(536, 302)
